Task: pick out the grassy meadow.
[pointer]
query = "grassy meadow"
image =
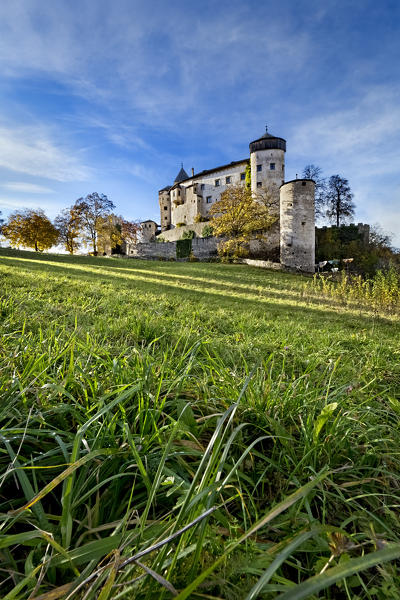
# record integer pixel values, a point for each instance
(194, 430)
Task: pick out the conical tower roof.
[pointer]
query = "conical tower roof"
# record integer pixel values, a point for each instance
(268, 142)
(182, 175)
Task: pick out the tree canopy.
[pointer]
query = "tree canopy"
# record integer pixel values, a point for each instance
(239, 216)
(68, 223)
(339, 200)
(30, 228)
(93, 211)
(315, 173)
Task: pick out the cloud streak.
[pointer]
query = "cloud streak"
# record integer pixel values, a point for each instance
(27, 188)
(30, 150)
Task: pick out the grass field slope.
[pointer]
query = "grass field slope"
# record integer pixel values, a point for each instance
(194, 430)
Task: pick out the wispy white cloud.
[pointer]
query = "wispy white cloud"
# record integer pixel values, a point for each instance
(8, 205)
(28, 188)
(364, 138)
(137, 56)
(31, 150)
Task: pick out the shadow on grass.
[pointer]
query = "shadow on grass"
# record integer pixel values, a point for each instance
(280, 304)
(231, 273)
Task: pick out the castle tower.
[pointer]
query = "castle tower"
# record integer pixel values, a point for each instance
(267, 162)
(164, 200)
(297, 224)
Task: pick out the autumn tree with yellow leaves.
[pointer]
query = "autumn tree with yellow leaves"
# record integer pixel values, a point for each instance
(239, 216)
(30, 229)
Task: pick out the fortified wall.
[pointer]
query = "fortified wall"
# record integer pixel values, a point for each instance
(202, 248)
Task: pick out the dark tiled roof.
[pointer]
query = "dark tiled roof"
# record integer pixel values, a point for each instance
(182, 175)
(234, 163)
(221, 168)
(268, 141)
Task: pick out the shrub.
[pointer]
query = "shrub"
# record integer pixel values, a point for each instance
(380, 293)
(183, 248)
(180, 224)
(207, 231)
(188, 235)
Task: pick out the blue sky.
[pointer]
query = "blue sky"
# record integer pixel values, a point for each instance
(111, 95)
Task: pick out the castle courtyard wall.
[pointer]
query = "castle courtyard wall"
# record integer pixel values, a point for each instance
(202, 248)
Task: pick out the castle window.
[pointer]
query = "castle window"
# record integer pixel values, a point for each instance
(209, 199)
(179, 192)
(228, 179)
(202, 186)
(217, 182)
(259, 183)
(242, 176)
(303, 183)
(165, 207)
(259, 167)
(272, 166)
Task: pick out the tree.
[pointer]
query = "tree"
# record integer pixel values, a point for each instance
(338, 199)
(93, 211)
(30, 228)
(114, 231)
(315, 173)
(109, 234)
(69, 223)
(130, 231)
(240, 215)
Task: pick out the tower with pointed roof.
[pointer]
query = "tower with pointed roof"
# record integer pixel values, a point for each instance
(182, 175)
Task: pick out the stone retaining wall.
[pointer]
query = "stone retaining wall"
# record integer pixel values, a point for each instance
(202, 248)
(265, 264)
(172, 235)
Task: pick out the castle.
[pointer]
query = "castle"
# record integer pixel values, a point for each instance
(186, 203)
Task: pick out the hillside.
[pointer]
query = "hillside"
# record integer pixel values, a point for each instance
(137, 395)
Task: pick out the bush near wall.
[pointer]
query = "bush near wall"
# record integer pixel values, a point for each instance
(183, 248)
(348, 242)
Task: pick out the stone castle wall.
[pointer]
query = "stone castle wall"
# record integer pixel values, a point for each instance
(172, 235)
(202, 248)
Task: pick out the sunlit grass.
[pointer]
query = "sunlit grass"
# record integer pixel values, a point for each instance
(137, 396)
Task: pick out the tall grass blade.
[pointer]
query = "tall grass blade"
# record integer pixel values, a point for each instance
(351, 567)
(274, 512)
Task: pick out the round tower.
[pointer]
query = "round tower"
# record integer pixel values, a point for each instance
(267, 161)
(297, 224)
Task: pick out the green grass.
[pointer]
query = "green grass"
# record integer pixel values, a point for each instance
(207, 430)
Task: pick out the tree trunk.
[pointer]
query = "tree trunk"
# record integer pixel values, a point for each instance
(337, 209)
(36, 247)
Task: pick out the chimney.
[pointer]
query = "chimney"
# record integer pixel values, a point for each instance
(192, 172)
